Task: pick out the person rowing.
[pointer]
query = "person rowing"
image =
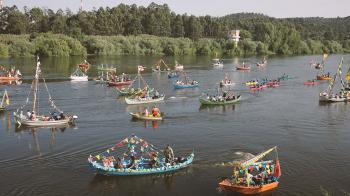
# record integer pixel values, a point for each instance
(169, 154)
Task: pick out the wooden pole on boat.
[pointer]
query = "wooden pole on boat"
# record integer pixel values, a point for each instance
(36, 83)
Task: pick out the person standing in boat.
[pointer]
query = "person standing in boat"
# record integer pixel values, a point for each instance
(169, 154)
(145, 112)
(155, 111)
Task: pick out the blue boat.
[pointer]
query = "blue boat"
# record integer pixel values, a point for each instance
(182, 86)
(143, 154)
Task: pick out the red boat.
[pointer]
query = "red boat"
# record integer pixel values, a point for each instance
(120, 83)
(273, 84)
(256, 88)
(243, 68)
(311, 83)
(228, 186)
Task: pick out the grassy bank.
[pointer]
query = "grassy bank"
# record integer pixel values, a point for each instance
(48, 44)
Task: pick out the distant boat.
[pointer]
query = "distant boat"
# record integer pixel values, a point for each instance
(217, 63)
(243, 67)
(185, 82)
(78, 75)
(140, 116)
(157, 67)
(263, 63)
(84, 66)
(178, 66)
(8, 75)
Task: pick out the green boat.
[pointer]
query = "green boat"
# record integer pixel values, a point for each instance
(206, 101)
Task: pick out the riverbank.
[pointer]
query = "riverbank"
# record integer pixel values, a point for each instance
(48, 44)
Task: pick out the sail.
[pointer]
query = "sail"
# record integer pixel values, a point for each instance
(257, 157)
(5, 99)
(339, 72)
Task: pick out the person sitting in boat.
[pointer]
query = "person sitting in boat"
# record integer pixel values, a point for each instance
(62, 116)
(33, 116)
(169, 154)
(156, 95)
(132, 164)
(118, 164)
(154, 162)
(155, 111)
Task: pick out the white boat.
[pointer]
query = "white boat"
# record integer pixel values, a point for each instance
(33, 118)
(217, 63)
(178, 66)
(78, 75)
(5, 101)
(138, 100)
(328, 96)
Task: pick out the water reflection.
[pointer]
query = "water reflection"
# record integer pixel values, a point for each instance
(102, 183)
(217, 108)
(5, 117)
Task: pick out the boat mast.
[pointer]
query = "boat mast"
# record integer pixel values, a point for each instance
(36, 79)
(332, 83)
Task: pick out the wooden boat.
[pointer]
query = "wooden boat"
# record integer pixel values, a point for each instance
(130, 91)
(78, 75)
(143, 153)
(178, 66)
(185, 85)
(157, 68)
(5, 101)
(227, 185)
(273, 84)
(122, 80)
(84, 65)
(106, 68)
(328, 96)
(217, 63)
(323, 77)
(9, 75)
(238, 184)
(311, 82)
(206, 101)
(138, 100)
(256, 88)
(243, 68)
(37, 120)
(251, 83)
(149, 117)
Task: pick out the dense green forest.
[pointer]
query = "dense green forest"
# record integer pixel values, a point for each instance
(138, 30)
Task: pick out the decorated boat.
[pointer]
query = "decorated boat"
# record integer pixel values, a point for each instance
(141, 116)
(106, 68)
(34, 118)
(251, 83)
(122, 80)
(324, 77)
(342, 96)
(178, 66)
(135, 156)
(84, 65)
(226, 82)
(5, 101)
(263, 63)
(8, 75)
(217, 63)
(185, 82)
(311, 82)
(158, 67)
(78, 75)
(254, 176)
(130, 90)
(143, 100)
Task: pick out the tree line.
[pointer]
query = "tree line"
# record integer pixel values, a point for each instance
(155, 29)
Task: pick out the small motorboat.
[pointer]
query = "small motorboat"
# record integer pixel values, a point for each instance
(178, 66)
(256, 88)
(145, 100)
(311, 82)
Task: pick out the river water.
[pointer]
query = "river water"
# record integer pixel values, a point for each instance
(312, 138)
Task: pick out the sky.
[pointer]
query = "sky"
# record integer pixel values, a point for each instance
(274, 8)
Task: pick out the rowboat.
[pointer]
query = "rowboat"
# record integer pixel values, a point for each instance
(9, 75)
(243, 68)
(138, 100)
(128, 91)
(5, 101)
(251, 83)
(185, 85)
(122, 80)
(268, 174)
(124, 83)
(36, 120)
(208, 101)
(143, 159)
(323, 77)
(217, 63)
(227, 185)
(6, 78)
(311, 82)
(149, 117)
(78, 75)
(256, 88)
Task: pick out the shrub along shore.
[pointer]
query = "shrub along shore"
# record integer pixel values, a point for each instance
(48, 44)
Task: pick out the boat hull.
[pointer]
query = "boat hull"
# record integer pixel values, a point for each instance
(136, 101)
(323, 78)
(228, 186)
(134, 172)
(40, 123)
(176, 86)
(119, 83)
(324, 98)
(204, 101)
(243, 68)
(79, 78)
(9, 78)
(142, 117)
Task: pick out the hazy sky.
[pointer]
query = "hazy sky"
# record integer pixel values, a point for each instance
(276, 8)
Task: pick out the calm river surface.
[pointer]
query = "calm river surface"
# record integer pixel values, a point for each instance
(313, 140)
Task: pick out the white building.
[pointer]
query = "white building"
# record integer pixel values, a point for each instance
(234, 36)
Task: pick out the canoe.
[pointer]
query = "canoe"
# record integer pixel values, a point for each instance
(243, 68)
(142, 117)
(228, 186)
(79, 78)
(182, 86)
(256, 88)
(251, 83)
(143, 101)
(318, 77)
(22, 120)
(110, 83)
(5, 78)
(311, 83)
(205, 101)
(144, 168)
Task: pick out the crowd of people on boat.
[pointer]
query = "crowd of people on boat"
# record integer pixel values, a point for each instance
(10, 73)
(54, 116)
(193, 82)
(131, 161)
(225, 96)
(121, 78)
(254, 175)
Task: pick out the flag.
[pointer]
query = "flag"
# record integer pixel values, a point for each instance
(277, 172)
(140, 68)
